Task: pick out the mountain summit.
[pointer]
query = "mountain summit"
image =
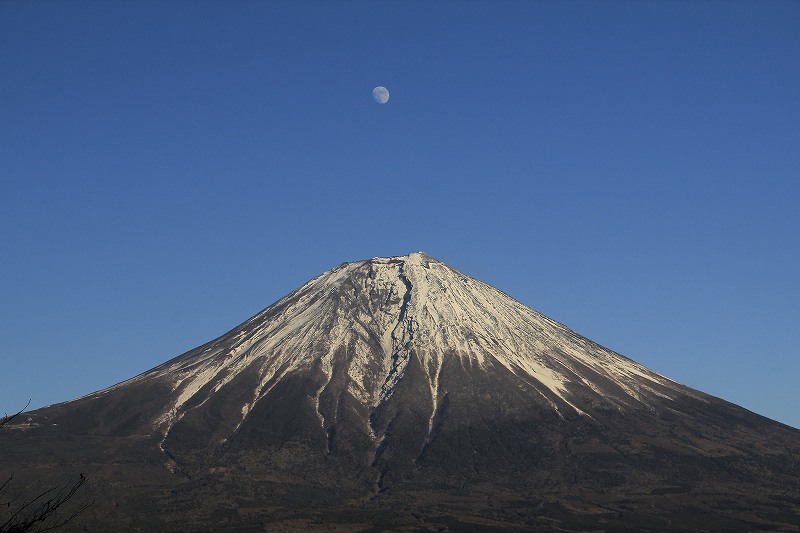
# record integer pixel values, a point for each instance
(402, 387)
(367, 331)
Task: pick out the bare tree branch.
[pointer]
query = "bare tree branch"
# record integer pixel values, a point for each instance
(40, 513)
(6, 419)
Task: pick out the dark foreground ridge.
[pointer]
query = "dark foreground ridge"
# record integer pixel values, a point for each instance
(400, 394)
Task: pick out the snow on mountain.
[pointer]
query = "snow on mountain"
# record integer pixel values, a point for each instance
(380, 313)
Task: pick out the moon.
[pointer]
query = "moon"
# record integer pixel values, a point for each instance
(380, 94)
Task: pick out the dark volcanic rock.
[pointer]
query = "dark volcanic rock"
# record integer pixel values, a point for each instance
(397, 393)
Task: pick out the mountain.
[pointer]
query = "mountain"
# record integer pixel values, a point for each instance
(399, 393)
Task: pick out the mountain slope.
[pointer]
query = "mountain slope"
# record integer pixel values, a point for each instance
(382, 381)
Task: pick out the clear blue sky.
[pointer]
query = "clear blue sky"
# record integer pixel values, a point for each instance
(168, 169)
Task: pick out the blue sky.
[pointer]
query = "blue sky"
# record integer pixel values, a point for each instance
(168, 169)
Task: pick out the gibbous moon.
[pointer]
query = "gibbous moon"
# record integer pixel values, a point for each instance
(380, 94)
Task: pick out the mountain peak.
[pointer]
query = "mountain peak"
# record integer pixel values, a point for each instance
(400, 376)
(367, 326)
(420, 256)
(413, 257)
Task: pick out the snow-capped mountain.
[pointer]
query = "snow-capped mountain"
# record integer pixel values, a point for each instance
(357, 328)
(398, 376)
